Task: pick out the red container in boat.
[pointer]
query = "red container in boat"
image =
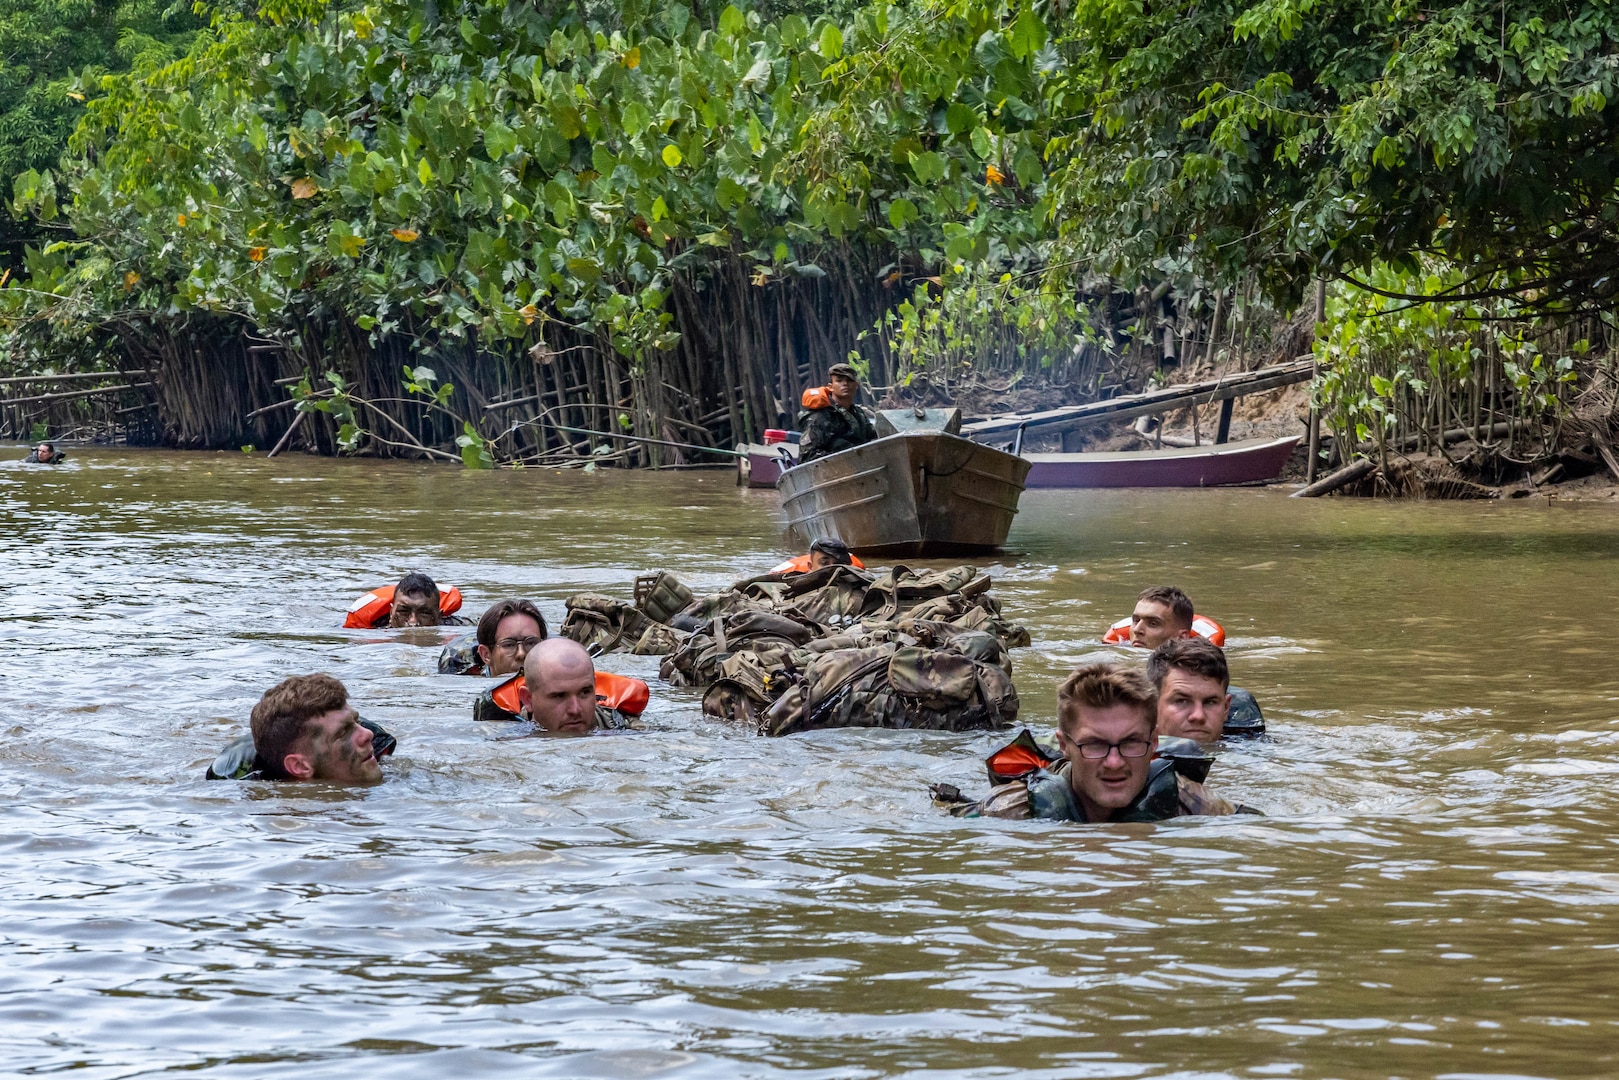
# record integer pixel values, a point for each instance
(774, 436)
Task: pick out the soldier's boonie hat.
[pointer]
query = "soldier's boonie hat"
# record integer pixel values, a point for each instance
(846, 370)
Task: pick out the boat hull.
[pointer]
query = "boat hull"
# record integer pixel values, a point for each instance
(761, 465)
(907, 495)
(1198, 466)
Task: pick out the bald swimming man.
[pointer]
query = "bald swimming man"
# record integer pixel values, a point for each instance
(559, 693)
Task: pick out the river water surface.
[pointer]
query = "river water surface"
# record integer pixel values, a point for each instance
(1435, 891)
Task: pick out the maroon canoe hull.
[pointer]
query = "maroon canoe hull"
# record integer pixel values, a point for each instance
(761, 465)
(1198, 466)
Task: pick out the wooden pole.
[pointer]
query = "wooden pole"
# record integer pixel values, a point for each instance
(287, 438)
(76, 375)
(1313, 450)
(1342, 478)
(65, 395)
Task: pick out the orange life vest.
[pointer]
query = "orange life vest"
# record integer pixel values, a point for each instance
(372, 609)
(1119, 632)
(800, 564)
(628, 696)
(816, 397)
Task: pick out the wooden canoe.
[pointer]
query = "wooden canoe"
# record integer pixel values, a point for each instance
(916, 493)
(1195, 466)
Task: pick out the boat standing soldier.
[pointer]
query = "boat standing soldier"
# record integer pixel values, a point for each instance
(831, 421)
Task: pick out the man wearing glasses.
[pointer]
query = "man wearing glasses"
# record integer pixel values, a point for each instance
(1107, 732)
(506, 632)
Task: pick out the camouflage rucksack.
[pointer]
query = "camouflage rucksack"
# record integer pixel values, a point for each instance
(604, 625)
(696, 662)
(894, 594)
(957, 686)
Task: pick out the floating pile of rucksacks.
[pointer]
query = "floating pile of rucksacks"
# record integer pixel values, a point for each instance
(835, 647)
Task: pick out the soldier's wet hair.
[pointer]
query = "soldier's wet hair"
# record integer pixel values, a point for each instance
(1193, 655)
(1179, 604)
(1102, 686)
(489, 621)
(418, 584)
(285, 710)
(837, 550)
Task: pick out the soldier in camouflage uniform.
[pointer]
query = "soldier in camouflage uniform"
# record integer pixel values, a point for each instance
(838, 425)
(1107, 719)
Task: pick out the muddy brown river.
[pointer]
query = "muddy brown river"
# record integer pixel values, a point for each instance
(1435, 892)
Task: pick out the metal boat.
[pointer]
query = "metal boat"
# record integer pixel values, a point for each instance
(920, 491)
(1194, 466)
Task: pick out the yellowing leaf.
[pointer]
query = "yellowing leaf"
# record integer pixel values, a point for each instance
(256, 253)
(405, 236)
(181, 218)
(304, 188)
(351, 245)
(672, 155)
(632, 58)
(529, 313)
(992, 175)
(131, 280)
(75, 95)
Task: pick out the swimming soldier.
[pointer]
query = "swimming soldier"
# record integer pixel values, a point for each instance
(822, 554)
(1113, 767)
(1195, 697)
(831, 421)
(505, 634)
(303, 728)
(44, 454)
(560, 693)
(1162, 612)
(415, 601)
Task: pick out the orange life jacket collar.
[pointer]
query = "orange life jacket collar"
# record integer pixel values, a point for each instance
(372, 609)
(626, 695)
(1119, 632)
(800, 564)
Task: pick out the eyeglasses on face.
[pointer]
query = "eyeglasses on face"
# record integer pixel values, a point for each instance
(512, 644)
(1096, 749)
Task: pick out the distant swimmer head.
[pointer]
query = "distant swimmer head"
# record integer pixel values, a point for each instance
(1161, 613)
(416, 602)
(1107, 728)
(305, 729)
(506, 633)
(1193, 684)
(829, 552)
(559, 687)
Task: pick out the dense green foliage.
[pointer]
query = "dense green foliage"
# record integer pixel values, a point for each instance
(493, 172)
(1305, 136)
(499, 167)
(53, 55)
